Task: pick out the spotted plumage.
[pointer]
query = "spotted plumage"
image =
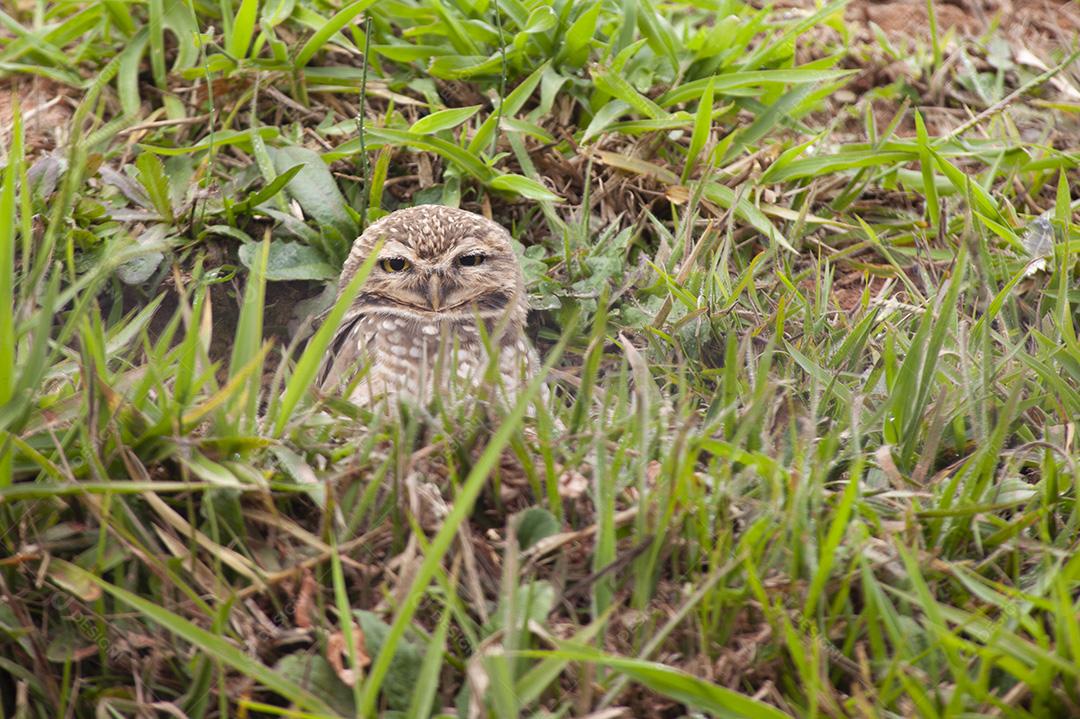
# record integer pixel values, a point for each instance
(444, 279)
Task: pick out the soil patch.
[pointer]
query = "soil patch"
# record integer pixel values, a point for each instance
(46, 108)
(1041, 24)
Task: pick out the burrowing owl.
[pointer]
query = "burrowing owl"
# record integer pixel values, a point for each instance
(444, 278)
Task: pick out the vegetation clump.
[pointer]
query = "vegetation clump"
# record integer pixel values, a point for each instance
(807, 294)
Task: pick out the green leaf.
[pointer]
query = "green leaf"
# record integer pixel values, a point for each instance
(249, 329)
(702, 126)
(1065, 310)
(329, 29)
(672, 683)
(733, 80)
(272, 188)
(509, 106)
(289, 261)
(829, 164)
(603, 118)
(379, 136)
(409, 53)
(243, 29)
(443, 120)
(314, 673)
(316, 190)
(525, 187)
(156, 24)
(580, 35)
(275, 12)
(8, 301)
(215, 140)
(726, 197)
(926, 164)
(778, 111)
(152, 178)
(127, 78)
(427, 680)
(615, 85)
(213, 645)
(655, 27)
(542, 19)
(461, 67)
(308, 365)
(179, 19)
(535, 524)
(964, 184)
(837, 529)
(139, 269)
(401, 678)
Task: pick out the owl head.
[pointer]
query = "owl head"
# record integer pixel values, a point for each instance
(437, 262)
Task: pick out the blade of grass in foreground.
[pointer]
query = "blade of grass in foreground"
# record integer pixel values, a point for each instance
(308, 366)
(210, 644)
(670, 682)
(348, 627)
(428, 679)
(7, 283)
(243, 26)
(462, 506)
(249, 331)
(327, 31)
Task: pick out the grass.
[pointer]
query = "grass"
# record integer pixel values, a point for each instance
(812, 449)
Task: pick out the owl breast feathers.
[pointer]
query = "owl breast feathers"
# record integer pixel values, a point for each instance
(441, 313)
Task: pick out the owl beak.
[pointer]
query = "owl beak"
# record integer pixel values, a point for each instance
(435, 293)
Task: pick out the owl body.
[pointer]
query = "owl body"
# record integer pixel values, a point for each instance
(444, 304)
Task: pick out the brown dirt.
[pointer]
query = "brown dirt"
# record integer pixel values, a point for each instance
(1039, 34)
(46, 108)
(1041, 24)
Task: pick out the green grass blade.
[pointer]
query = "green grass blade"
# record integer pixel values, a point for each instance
(614, 84)
(428, 681)
(243, 29)
(443, 120)
(673, 683)
(329, 29)
(440, 544)
(152, 178)
(926, 164)
(8, 223)
(308, 365)
(249, 332)
(208, 643)
(156, 12)
(702, 127)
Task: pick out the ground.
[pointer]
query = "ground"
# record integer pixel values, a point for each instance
(805, 277)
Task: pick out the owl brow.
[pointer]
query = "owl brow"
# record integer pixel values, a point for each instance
(396, 250)
(473, 246)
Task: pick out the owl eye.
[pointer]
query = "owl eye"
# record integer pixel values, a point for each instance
(395, 264)
(471, 260)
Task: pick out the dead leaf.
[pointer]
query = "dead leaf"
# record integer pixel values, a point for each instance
(426, 502)
(572, 484)
(337, 654)
(885, 461)
(305, 602)
(678, 194)
(73, 579)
